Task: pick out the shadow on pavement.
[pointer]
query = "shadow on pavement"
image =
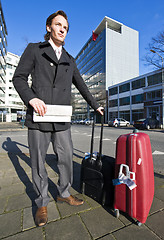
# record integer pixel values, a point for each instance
(15, 155)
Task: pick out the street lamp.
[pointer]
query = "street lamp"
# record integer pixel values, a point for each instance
(162, 86)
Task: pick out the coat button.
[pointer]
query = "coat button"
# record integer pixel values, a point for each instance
(51, 64)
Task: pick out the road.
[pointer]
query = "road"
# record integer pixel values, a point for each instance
(14, 141)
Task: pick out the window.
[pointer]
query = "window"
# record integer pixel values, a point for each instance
(9, 59)
(124, 101)
(154, 79)
(113, 103)
(153, 95)
(9, 66)
(113, 115)
(125, 115)
(138, 83)
(124, 88)
(113, 91)
(137, 114)
(137, 98)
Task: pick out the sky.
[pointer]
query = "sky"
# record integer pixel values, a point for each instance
(25, 20)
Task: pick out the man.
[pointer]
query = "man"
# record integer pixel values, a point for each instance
(52, 76)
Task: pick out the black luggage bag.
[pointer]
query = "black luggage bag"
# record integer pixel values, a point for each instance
(97, 172)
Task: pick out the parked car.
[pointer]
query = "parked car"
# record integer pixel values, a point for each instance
(146, 123)
(82, 121)
(88, 121)
(118, 122)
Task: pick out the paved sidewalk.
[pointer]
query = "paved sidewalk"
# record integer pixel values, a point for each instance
(11, 126)
(89, 221)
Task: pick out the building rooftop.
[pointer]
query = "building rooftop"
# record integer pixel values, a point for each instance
(112, 24)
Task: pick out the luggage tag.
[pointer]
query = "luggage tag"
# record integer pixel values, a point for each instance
(88, 155)
(122, 179)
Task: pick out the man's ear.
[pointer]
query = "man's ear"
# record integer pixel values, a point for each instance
(48, 28)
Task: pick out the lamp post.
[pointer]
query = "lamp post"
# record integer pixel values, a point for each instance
(162, 86)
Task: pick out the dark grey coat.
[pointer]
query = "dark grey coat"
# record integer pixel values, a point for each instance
(51, 81)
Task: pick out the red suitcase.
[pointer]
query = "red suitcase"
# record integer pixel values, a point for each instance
(134, 152)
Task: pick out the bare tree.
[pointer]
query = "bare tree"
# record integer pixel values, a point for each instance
(155, 51)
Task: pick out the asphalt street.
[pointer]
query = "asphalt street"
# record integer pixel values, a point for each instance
(81, 136)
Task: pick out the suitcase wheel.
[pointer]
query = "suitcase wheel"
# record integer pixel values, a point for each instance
(83, 188)
(139, 223)
(116, 213)
(103, 198)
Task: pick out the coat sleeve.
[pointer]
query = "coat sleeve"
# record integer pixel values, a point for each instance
(83, 89)
(22, 72)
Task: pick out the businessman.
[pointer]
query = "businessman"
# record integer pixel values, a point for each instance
(53, 71)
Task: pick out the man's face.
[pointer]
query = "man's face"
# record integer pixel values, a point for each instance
(58, 30)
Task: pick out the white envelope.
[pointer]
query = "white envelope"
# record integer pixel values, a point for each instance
(55, 113)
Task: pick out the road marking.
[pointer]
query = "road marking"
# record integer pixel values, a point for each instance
(106, 139)
(157, 153)
(12, 136)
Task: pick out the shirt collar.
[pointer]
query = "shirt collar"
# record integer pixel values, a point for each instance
(54, 46)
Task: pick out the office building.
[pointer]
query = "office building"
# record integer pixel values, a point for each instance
(13, 102)
(3, 52)
(110, 56)
(137, 98)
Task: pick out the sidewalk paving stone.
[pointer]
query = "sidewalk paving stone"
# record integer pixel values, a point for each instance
(17, 202)
(134, 232)
(107, 237)
(91, 202)
(33, 234)
(159, 186)
(3, 202)
(13, 189)
(156, 223)
(6, 181)
(156, 205)
(70, 228)
(28, 218)
(10, 223)
(99, 222)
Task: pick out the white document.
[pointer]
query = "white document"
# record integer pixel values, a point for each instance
(55, 113)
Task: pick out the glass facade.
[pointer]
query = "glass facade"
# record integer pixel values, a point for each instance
(137, 98)
(91, 64)
(3, 52)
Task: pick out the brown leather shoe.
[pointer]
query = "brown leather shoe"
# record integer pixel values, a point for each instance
(71, 200)
(41, 216)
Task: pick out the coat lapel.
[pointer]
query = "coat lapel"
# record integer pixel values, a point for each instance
(50, 54)
(64, 59)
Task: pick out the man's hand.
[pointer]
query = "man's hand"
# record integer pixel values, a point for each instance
(39, 106)
(100, 110)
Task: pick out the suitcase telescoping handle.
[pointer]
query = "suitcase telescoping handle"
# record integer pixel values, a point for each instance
(92, 137)
(101, 137)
